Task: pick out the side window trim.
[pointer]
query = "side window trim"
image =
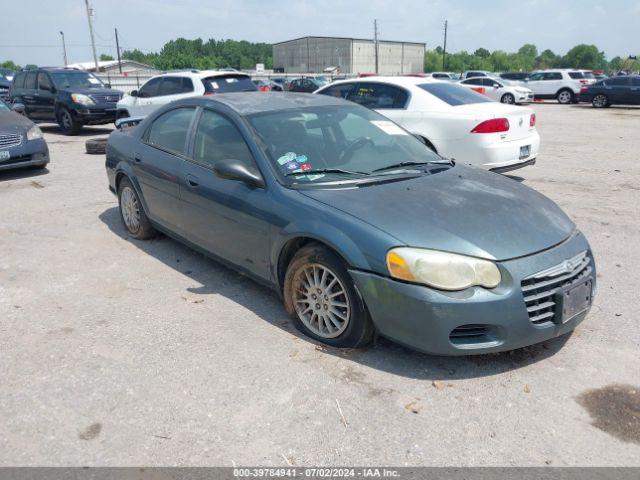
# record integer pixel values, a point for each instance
(145, 135)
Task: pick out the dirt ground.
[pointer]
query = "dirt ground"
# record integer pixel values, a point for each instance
(119, 352)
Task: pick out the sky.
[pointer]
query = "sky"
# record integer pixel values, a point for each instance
(612, 25)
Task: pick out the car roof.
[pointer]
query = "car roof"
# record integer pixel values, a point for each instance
(400, 81)
(248, 103)
(200, 73)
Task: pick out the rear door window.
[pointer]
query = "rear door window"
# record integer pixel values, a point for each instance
(30, 81)
(170, 86)
(379, 95)
(169, 131)
(454, 95)
(553, 76)
(229, 83)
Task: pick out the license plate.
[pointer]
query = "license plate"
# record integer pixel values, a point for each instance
(5, 155)
(525, 151)
(576, 301)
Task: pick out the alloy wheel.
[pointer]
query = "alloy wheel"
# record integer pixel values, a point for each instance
(564, 97)
(130, 209)
(67, 121)
(321, 300)
(600, 101)
(508, 98)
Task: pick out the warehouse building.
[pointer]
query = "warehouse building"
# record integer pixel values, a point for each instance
(347, 55)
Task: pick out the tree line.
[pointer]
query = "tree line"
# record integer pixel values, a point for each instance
(183, 54)
(527, 58)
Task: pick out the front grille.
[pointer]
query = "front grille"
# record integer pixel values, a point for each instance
(540, 288)
(105, 98)
(11, 140)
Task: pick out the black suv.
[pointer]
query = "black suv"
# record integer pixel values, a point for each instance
(70, 97)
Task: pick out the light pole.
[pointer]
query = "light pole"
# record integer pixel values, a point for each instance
(64, 49)
(93, 41)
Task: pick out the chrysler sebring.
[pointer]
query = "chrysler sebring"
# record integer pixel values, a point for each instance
(356, 223)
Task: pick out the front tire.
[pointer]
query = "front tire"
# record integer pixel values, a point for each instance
(600, 101)
(508, 98)
(132, 213)
(68, 124)
(565, 97)
(322, 299)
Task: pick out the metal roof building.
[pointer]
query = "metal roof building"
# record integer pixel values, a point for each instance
(349, 55)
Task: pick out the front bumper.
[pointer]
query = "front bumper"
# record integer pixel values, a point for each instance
(425, 319)
(524, 97)
(97, 115)
(28, 154)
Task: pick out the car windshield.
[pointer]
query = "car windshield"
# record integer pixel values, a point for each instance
(335, 143)
(454, 95)
(75, 80)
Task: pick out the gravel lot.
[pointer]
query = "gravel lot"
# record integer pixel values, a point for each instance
(119, 352)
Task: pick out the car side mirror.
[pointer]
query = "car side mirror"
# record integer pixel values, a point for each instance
(107, 85)
(18, 108)
(134, 93)
(236, 170)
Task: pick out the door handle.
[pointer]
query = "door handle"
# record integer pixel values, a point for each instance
(137, 157)
(192, 181)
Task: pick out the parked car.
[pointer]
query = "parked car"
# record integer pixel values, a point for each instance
(72, 98)
(267, 85)
(515, 76)
(476, 73)
(499, 90)
(561, 84)
(6, 76)
(305, 85)
(438, 256)
(21, 141)
(166, 88)
(612, 91)
(444, 76)
(453, 120)
(588, 77)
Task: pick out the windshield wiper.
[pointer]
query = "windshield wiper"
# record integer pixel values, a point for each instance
(326, 170)
(408, 164)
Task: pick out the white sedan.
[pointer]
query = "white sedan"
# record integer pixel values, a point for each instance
(501, 90)
(453, 120)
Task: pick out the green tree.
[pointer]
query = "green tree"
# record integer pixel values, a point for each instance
(547, 59)
(10, 65)
(104, 57)
(584, 56)
(482, 53)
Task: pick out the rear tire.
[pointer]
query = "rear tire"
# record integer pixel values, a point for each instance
(508, 98)
(565, 96)
(68, 124)
(132, 213)
(321, 297)
(600, 101)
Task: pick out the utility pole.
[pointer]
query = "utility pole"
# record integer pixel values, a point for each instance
(64, 49)
(93, 41)
(118, 50)
(375, 41)
(444, 50)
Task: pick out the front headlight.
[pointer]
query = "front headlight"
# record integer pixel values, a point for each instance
(441, 270)
(34, 133)
(82, 99)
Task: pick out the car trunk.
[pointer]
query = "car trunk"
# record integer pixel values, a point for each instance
(519, 117)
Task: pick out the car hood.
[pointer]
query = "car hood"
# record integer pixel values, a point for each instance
(94, 91)
(12, 122)
(463, 210)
